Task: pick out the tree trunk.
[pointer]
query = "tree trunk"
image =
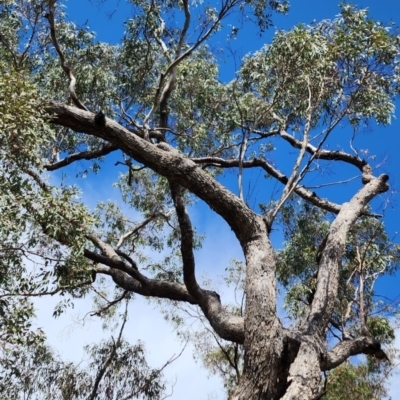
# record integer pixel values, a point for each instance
(268, 351)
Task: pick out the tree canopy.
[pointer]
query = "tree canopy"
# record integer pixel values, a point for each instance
(153, 116)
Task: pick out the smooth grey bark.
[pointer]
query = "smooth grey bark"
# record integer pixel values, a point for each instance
(279, 363)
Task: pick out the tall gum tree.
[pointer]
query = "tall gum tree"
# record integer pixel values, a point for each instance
(157, 99)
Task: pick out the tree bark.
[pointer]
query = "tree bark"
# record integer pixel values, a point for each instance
(268, 353)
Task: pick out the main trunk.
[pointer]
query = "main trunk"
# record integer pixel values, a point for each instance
(269, 352)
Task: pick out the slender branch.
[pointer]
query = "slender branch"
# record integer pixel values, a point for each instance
(159, 95)
(325, 154)
(170, 84)
(226, 354)
(158, 33)
(24, 55)
(110, 358)
(158, 373)
(38, 180)
(292, 181)
(185, 28)
(10, 50)
(259, 162)
(64, 65)
(189, 274)
(135, 230)
(110, 304)
(83, 155)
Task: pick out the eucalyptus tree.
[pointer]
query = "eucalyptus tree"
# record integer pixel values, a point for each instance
(155, 108)
(115, 370)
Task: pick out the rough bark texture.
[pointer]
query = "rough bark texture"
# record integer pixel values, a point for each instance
(264, 340)
(279, 363)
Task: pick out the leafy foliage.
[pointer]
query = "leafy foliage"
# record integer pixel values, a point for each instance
(31, 370)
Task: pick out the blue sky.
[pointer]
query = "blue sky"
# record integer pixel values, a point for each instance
(384, 143)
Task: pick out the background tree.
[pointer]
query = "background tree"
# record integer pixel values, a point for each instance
(115, 370)
(157, 100)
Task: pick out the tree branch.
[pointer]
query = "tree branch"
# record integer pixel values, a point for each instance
(110, 304)
(83, 155)
(189, 274)
(109, 359)
(153, 288)
(294, 178)
(172, 66)
(328, 272)
(325, 154)
(136, 229)
(343, 350)
(64, 65)
(267, 167)
(169, 163)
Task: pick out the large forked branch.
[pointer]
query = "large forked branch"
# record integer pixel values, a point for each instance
(304, 381)
(167, 162)
(208, 301)
(128, 277)
(328, 272)
(64, 65)
(228, 327)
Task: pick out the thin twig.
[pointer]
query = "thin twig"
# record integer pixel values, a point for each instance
(64, 65)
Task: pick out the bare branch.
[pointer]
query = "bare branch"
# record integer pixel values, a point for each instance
(259, 162)
(325, 154)
(343, 350)
(83, 155)
(135, 229)
(110, 304)
(64, 65)
(294, 178)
